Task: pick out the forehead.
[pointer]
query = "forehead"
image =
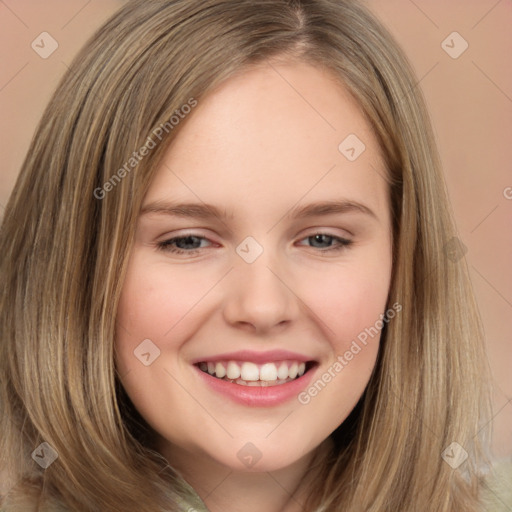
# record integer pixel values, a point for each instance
(280, 130)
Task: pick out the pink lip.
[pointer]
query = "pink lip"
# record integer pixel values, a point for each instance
(256, 396)
(255, 357)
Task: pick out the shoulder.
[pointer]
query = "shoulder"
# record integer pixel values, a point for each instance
(497, 488)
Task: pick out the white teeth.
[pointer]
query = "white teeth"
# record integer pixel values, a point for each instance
(269, 372)
(282, 373)
(220, 370)
(233, 371)
(251, 374)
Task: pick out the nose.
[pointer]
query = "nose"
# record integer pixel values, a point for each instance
(259, 297)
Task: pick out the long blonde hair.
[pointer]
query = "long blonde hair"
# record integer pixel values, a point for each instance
(64, 253)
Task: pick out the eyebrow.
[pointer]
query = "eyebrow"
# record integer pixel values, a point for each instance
(192, 210)
(329, 208)
(208, 211)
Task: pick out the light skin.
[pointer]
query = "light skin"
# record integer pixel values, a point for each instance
(259, 148)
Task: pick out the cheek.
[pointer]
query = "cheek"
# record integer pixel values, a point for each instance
(351, 308)
(154, 301)
(153, 305)
(349, 301)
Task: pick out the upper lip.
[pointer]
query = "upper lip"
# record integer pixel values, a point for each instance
(255, 357)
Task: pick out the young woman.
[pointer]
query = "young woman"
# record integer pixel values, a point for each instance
(230, 278)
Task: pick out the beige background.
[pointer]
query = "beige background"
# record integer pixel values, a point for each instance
(470, 98)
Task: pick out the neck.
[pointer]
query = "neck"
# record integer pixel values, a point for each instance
(225, 490)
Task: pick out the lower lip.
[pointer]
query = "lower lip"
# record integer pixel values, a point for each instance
(258, 396)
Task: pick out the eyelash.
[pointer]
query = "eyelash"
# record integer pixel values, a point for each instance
(167, 245)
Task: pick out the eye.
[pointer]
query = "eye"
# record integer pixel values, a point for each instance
(192, 244)
(189, 244)
(324, 242)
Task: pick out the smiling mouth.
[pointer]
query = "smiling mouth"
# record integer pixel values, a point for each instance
(247, 373)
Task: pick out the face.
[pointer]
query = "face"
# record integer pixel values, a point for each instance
(262, 253)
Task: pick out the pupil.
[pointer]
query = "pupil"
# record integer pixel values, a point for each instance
(186, 241)
(322, 239)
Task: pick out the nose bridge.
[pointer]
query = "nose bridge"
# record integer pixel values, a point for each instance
(257, 293)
